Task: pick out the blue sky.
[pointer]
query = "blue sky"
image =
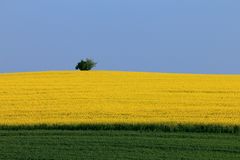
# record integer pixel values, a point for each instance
(191, 36)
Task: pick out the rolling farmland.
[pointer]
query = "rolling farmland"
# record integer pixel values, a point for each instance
(119, 115)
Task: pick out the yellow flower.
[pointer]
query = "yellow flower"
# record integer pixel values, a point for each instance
(74, 97)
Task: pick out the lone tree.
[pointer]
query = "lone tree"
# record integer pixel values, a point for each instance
(85, 65)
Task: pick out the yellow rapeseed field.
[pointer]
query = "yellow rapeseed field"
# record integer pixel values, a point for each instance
(74, 97)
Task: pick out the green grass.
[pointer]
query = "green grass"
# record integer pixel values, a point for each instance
(107, 144)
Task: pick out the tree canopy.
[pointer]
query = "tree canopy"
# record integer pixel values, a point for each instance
(86, 65)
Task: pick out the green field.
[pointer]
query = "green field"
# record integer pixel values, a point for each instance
(59, 144)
